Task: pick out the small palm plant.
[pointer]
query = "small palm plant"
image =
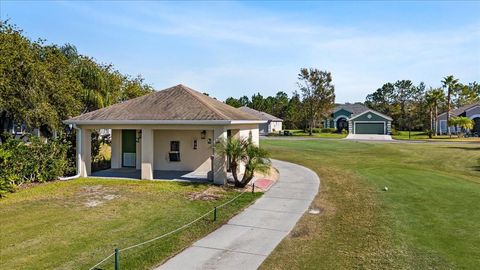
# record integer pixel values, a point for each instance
(243, 151)
(463, 122)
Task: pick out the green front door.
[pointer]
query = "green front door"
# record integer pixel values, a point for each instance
(369, 128)
(129, 148)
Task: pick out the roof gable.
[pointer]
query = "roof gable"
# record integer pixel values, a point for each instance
(175, 103)
(371, 111)
(354, 108)
(458, 111)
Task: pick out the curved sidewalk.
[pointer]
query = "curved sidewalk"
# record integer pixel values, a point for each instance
(248, 238)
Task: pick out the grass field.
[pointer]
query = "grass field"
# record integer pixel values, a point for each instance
(428, 218)
(419, 135)
(75, 224)
(298, 132)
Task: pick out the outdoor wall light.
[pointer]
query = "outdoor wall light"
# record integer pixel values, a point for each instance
(203, 134)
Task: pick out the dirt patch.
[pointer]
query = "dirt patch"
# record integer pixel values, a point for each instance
(93, 196)
(209, 194)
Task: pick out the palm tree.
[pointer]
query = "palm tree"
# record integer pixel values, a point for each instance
(430, 102)
(451, 83)
(463, 122)
(438, 97)
(243, 151)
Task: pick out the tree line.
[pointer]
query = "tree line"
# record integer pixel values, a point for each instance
(308, 105)
(417, 108)
(412, 107)
(41, 84)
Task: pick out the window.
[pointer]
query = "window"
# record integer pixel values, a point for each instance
(174, 155)
(174, 146)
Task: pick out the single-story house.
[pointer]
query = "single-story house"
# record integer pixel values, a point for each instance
(471, 111)
(272, 124)
(173, 130)
(357, 118)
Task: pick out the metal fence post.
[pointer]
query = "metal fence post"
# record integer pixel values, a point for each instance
(117, 259)
(215, 213)
(253, 188)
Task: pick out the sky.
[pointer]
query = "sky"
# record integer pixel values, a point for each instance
(241, 48)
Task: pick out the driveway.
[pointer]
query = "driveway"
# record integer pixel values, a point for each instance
(248, 238)
(369, 137)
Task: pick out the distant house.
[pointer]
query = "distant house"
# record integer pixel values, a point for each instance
(273, 124)
(357, 118)
(170, 130)
(15, 128)
(471, 111)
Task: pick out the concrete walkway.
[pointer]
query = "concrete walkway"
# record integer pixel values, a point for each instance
(368, 137)
(248, 238)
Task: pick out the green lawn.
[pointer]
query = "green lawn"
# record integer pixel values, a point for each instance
(428, 219)
(419, 135)
(302, 133)
(56, 226)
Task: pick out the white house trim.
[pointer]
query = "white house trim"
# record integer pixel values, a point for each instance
(355, 125)
(164, 122)
(374, 112)
(474, 116)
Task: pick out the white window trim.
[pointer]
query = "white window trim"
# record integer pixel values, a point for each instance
(384, 125)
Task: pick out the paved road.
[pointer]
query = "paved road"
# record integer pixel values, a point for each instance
(248, 238)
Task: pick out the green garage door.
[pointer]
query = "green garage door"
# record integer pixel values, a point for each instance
(369, 128)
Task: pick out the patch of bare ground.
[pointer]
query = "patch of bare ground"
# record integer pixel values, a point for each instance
(92, 196)
(212, 193)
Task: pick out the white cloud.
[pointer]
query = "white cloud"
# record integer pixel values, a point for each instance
(265, 50)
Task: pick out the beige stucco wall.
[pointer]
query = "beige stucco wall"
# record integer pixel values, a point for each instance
(154, 146)
(245, 131)
(274, 126)
(191, 159)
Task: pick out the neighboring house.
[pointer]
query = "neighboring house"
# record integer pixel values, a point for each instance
(273, 123)
(170, 130)
(471, 111)
(16, 128)
(358, 119)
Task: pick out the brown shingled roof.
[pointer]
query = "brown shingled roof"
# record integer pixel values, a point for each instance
(175, 103)
(259, 114)
(458, 111)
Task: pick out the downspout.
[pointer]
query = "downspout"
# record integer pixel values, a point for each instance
(79, 156)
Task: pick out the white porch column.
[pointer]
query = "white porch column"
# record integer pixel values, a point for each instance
(219, 161)
(116, 160)
(147, 153)
(86, 152)
(138, 149)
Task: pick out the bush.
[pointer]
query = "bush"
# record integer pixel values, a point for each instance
(328, 130)
(35, 161)
(395, 132)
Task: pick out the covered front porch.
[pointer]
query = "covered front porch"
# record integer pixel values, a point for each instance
(163, 152)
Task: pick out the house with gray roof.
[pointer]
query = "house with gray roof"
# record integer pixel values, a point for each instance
(169, 130)
(357, 118)
(471, 111)
(272, 124)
